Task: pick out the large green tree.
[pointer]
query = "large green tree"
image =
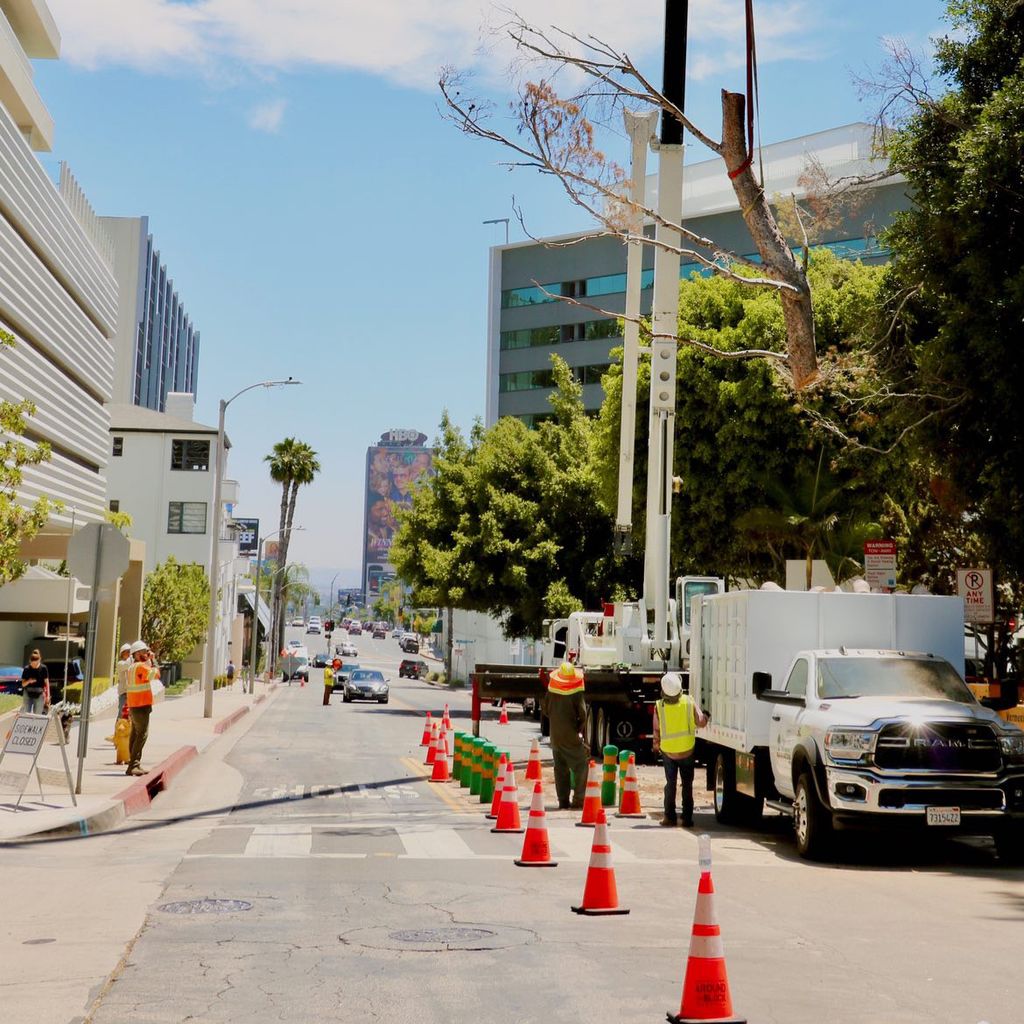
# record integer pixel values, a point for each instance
(19, 521)
(293, 464)
(175, 609)
(958, 271)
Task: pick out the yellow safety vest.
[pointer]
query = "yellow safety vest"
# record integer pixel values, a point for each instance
(328, 676)
(140, 692)
(677, 725)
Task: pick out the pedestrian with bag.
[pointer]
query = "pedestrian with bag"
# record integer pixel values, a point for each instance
(140, 703)
(35, 684)
(566, 710)
(676, 721)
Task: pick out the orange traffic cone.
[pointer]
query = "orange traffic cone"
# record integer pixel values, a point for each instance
(503, 720)
(536, 848)
(432, 749)
(600, 895)
(425, 742)
(499, 788)
(629, 805)
(508, 809)
(446, 719)
(706, 994)
(592, 798)
(440, 772)
(533, 773)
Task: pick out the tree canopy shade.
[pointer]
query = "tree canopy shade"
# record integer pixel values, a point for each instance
(512, 523)
(18, 522)
(958, 262)
(175, 608)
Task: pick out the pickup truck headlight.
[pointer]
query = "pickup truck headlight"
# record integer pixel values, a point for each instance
(1012, 747)
(849, 744)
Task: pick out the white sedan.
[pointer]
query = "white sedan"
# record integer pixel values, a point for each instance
(346, 649)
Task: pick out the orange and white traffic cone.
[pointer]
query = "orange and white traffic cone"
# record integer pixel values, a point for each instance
(533, 772)
(441, 772)
(432, 748)
(536, 848)
(591, 798)
(706, 995)
(508, 809)
(499, 788)
(600, 895)
(446, 719)
(425, 742)
(629, 805)
(503, 719)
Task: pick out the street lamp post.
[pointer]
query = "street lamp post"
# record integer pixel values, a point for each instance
(218, 483)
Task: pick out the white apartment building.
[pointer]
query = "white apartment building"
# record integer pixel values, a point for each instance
(58, 298)
(161, 472)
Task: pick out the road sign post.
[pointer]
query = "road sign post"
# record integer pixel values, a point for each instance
(99, 553)
(880, 564)
(975, 587)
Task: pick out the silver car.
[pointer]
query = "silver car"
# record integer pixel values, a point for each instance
(365, 684)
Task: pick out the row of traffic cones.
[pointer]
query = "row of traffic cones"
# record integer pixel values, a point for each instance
(706, 996)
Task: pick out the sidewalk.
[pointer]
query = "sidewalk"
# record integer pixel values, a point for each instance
(178, 732)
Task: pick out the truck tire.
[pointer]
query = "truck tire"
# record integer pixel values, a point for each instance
(812, 821)
(727, 803)
(1010, 845)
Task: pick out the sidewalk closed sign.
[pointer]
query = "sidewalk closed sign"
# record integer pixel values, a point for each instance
(975, 587)
(27, 735)
(880, 564)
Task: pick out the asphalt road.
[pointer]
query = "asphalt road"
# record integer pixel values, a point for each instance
(369, 893)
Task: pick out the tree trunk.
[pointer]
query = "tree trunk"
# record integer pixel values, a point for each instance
(775, 252)
(275, 589)
(286, 539)
(449, 646)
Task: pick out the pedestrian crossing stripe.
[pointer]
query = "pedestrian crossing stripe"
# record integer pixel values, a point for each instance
(363, 792)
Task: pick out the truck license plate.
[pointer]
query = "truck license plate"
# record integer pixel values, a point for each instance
(943, 815)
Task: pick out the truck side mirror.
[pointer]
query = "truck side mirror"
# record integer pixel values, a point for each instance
(761, 681)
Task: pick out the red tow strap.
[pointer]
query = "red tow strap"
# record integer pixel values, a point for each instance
(751, 91)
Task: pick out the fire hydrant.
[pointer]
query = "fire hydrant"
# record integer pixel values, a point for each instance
(328, 685)
(122, 733)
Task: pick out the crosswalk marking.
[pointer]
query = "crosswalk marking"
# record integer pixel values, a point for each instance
(278, 841)
(442, 843)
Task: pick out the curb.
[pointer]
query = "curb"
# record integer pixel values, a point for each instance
(227, 721)
(139, 795)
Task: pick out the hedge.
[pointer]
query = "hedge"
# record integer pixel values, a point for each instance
(73, 691)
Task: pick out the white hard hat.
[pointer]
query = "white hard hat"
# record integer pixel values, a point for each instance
(671, 684)
(125, 647)
(139, 645)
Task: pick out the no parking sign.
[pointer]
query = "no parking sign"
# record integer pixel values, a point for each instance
(975, 587)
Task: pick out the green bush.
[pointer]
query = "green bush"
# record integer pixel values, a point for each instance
(73, 691)
(220, 681)
(9, 701)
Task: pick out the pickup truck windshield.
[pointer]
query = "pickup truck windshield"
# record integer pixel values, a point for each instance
(890, 677)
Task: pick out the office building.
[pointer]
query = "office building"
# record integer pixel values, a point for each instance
(526, 323)
(157, 345)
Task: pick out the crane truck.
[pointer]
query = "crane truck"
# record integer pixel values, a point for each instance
(625, 648)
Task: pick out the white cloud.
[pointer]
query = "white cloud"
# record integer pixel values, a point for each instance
(267, 117)
(404, 41)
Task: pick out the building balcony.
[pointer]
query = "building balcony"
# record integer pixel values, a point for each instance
(18, 94)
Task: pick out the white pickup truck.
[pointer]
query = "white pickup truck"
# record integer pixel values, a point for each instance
(850, 710)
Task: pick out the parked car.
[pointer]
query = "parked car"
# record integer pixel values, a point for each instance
(10, 679)
(413, 668)
(365, 684)
(298, 622)
(346, 649)
(410, 644)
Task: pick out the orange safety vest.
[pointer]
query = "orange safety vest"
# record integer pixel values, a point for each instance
(140, 692)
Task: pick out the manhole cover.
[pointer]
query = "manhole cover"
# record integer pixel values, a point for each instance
(205, 907)
(439, 940)
(442, 935)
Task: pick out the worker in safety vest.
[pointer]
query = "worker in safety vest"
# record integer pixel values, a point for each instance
(328, 684)
(566, 710)
(676, 721)
(140, 702)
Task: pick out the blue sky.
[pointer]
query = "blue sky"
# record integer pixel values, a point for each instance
(321, 219)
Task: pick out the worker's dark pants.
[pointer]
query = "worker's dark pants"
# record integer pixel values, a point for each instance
(684, 771)
(328, 690)
(140, 732)
(571, 758)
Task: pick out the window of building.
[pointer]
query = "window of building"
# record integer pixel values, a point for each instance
(190, 455)
(511, 298)
(609, 328)
(530, 337)
(186, 517)
(114, 505)
(117, 449)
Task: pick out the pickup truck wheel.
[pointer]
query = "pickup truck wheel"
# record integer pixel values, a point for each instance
(811, 820)
(727, 808)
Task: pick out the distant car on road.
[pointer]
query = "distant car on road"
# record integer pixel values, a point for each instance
(410, 643)
(380, 634)
(414, 668)
(313, 627)
(294, 643)
(365, 684)
(346, 649)
(298, 622)
(10, 678)
(320, 660)
(355, 629)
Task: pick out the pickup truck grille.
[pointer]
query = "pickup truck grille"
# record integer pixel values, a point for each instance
(938, 746)
(965, 799)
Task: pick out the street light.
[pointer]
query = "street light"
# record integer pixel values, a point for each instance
(211, 626)
(256, 604)
(500, 220)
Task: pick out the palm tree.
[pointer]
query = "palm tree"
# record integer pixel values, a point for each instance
(818, 516)
(292, 464)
